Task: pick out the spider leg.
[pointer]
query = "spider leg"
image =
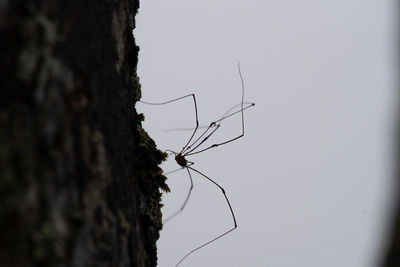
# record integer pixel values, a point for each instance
(224, 233)
(191, 148)
(225, 116)
(176, 99)
(216, 124)
(186, 199)
(190, 152)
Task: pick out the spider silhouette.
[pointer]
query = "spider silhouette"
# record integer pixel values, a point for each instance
(193, 146)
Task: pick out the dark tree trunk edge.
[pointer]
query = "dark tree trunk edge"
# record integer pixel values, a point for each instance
(79, 178)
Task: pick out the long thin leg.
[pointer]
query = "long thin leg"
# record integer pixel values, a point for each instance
(167, 173)
(223, 117)
(190, 163)
(221, 235)
(191, 148)
(215, 124)
(227, 114)
(190, 152)
(195, 109)
(186, 200)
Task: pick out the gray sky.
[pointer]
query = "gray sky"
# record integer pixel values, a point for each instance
(310, 180)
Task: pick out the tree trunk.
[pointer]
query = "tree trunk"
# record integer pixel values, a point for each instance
(391, 258)
(79, 177)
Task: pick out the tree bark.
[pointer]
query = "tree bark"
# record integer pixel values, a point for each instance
(79, 177)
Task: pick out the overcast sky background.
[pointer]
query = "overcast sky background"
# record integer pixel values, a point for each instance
(310, 181)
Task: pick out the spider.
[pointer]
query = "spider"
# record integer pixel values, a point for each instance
(192, 147)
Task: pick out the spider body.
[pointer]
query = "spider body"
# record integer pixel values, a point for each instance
(180, 159)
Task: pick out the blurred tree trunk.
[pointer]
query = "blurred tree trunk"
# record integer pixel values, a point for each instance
(392, 257)
(392, 254)
(79, 181)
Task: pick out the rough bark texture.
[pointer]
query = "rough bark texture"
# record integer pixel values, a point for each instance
(79, 181)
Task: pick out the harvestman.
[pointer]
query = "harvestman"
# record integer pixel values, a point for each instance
(191, 148)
